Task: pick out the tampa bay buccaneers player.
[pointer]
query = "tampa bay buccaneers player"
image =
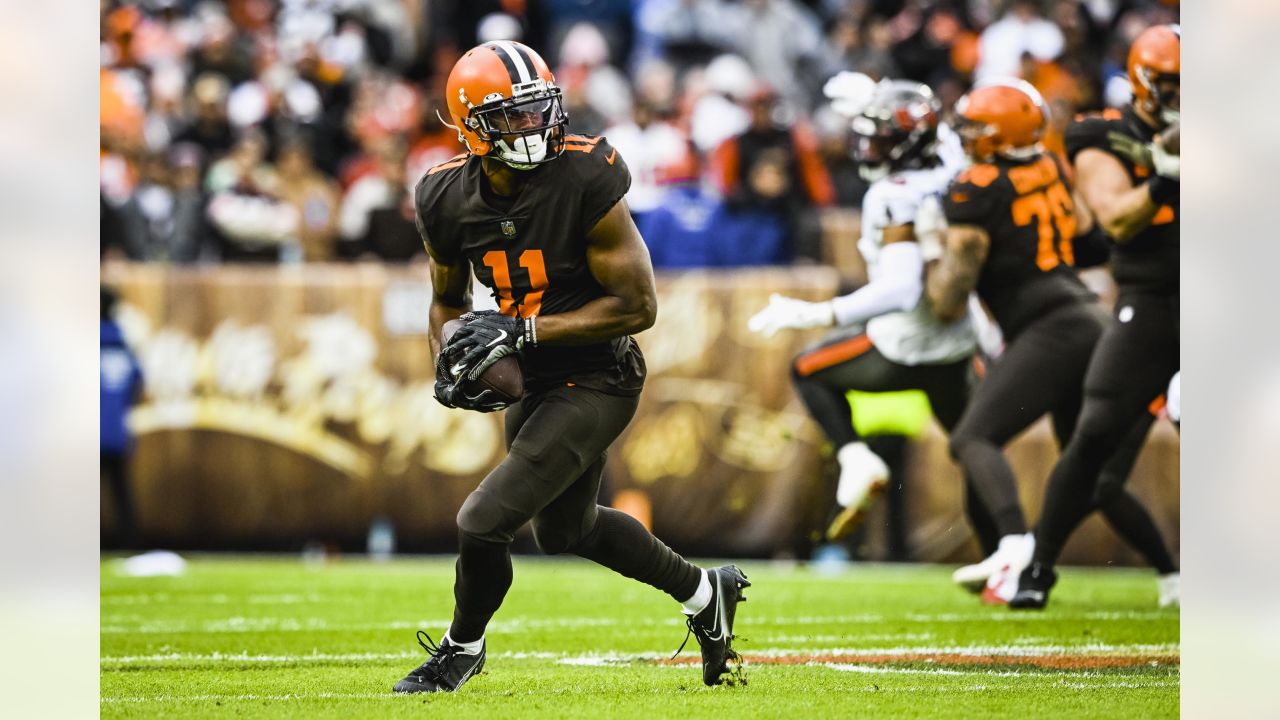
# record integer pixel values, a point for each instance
(538, 214)
(1127, 167)
(886, 338)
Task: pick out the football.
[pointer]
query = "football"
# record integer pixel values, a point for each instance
(504, 377)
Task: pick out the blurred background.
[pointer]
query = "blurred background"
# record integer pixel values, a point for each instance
(266, 382)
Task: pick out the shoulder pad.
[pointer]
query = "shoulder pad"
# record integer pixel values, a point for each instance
(1090, 131)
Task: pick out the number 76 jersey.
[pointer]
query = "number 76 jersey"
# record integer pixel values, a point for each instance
(1027, 211)
(531, 250)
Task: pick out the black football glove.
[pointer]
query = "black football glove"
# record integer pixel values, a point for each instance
(451, 392)
(487, 337)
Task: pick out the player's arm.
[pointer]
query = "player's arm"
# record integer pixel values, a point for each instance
(897, 286)
(619, 261)
(1121, 208)
(450, 295)
(952, 278)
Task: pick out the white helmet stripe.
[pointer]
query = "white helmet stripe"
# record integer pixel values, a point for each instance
(516, 59)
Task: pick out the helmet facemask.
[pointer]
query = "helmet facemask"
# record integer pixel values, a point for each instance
(1164, 94)
(526, 130)
(880, 148)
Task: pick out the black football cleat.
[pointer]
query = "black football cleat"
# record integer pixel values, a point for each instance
(1033, 587)
(713, 626)
(445, 671)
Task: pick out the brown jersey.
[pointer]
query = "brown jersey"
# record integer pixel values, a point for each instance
(1026, 210)
(1148, 262)
(530, 250)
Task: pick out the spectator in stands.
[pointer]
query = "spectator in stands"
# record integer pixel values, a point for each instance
(163, 219)
(313, 196)
(773, 174)
(1022, 29)
(121, 385)
(782, 41)
(381, 194)
(253, 223)
(686, 227)
(692, 227)
(210, 128)
(653, 143)
(224, 52)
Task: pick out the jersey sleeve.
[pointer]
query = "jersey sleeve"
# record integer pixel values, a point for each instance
(440, 245)
(605, 177)
(972, 196)
(1086, 132)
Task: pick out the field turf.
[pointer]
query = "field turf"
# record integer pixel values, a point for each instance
(272, 637)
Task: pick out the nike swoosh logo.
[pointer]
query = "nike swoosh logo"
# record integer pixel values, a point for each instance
(612, 156)
(719, 626)
(498, 339)
(457, 369)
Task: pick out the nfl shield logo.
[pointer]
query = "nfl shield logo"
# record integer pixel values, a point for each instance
(508, 228)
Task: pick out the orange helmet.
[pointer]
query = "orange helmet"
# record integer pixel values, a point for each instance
(1155, 70)
(504, 102)
(1005, 117)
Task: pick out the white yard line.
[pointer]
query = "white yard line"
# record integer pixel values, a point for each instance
(611, 658)
(128, 623)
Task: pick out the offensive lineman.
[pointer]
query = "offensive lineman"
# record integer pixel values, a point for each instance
(1011, 222)
(1127, 166)
(910, 157)
(539, 216)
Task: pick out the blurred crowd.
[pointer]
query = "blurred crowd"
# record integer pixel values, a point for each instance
(288, 131)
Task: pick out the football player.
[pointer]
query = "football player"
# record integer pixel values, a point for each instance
(887, 338)
(538, 214)
(1127, 167)
(1011, 223)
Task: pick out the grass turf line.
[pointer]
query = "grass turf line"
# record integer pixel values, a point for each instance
(274, 638)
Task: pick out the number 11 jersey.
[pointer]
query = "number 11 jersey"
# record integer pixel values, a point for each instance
(530, 250)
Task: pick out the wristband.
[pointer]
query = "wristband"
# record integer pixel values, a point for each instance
(531, 331)
(1162, 189)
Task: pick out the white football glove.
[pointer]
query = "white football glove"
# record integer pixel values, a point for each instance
(1166, 163)
(784, 312)
(849, 92)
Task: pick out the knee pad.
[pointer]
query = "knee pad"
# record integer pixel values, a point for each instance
(957, 444)
(1109, 487)
(483, 519)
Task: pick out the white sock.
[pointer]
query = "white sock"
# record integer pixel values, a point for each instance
(471, 648)
(1009, 541)
(701, 597)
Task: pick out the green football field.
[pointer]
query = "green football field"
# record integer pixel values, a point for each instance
(272, 637)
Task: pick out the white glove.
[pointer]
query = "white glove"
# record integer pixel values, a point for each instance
(990, 337)
(784, 312)
(1166, 164)
(849, 92)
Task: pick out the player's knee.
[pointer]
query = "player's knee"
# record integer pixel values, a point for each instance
(1097, 430)
(960, 441)
(1109, 488)
(482, 518)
